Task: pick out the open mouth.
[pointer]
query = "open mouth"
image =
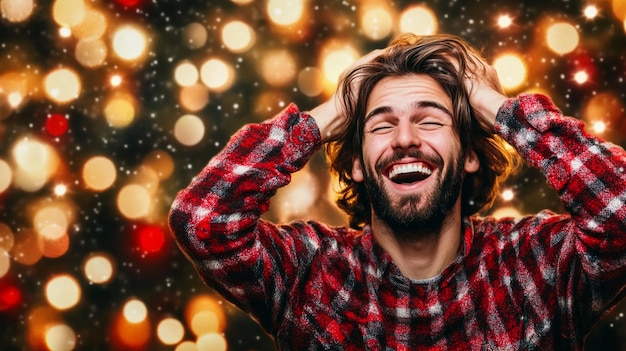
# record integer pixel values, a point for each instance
(409, 173)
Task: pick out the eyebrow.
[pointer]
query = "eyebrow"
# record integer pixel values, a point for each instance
(416, 105)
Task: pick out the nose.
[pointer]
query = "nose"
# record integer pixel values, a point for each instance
(406, 137)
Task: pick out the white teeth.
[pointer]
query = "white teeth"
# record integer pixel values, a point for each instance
(408, 168)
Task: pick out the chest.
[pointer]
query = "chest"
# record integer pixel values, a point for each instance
(475, 309)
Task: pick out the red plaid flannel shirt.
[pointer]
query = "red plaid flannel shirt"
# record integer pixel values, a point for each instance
(536, 283)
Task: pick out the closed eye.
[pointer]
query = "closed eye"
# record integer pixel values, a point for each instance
(380, 129)
(430, 125)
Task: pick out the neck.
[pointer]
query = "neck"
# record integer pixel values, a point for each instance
(426, 254)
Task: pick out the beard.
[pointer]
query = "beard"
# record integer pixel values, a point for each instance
(405, 216)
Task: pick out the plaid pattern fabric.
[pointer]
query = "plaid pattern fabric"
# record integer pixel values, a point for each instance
(535, 283)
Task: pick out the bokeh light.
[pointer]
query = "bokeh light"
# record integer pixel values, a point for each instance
(134, 201)
(186, 74)
(6, 176)
(16, 10)
(60, 337)
(562, 38)
(135, 311)
(68, 13)
(278, 67)
(129, 42)
(63, 292)
(376, 22)
(285, 12)
(418, 19)
(511, 70)
(62, 85)
(217, 74)
(238, 36)
(170, 331)
(99, 268)
(189, 130)
(212, 342)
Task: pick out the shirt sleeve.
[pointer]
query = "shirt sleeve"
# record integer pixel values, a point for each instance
(588, 175)
(216, 219)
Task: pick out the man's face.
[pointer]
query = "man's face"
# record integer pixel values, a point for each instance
(412, 164)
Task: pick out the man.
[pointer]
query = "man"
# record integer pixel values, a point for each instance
(417, 145)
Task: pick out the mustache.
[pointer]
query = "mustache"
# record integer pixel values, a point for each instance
(400, 154)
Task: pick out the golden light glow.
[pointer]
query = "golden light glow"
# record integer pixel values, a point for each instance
(99, 173)
(35, 163)
(278, 67)
(60, 337)
(296, 199)
(119, 110)
(132, 335)
(311, 81)
(170, 331)
(135, 311)
(129, 42)
(115, 80)
(68, 13)
(238, 36)
(212, 342)
(93, 25)
(161, 162)
(336, 57)
(189, 130)
(598, 127)
(51, 221)
(91, 52)
(62, 85)
(186, 74)
(134, 201)
(505, 212)
(377, 23)
(65, 32)
(562, 38)
(6, 237)
(98, 269)
(26, 248)
(63, 292)
(5, 262)
(217, 75)
(581, 77)
(205, 309)
(418, 19)
(194, 98)
(619, 9)
(590, 11)
(16, 10)
(505, 21)
(285, 12)
(507, 195)
(511, 70)
(195, 35)
(6, 176)
(186, 346)
(204, 322)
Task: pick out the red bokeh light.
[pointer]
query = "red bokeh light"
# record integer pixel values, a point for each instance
(10, 296)
(150, 239)
(56, 124)
(129, 3)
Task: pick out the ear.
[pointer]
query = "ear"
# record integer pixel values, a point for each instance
(357, 170)
(471, 162)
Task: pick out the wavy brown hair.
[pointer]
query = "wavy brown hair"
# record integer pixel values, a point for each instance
(433, 56)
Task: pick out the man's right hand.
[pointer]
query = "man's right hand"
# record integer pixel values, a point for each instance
(329, 116)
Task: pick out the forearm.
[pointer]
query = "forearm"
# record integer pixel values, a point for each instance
(587, 172)
(234, 189)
